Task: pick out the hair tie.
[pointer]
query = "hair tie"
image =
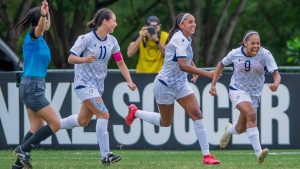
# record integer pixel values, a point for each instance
(184, 17)
(249, 33)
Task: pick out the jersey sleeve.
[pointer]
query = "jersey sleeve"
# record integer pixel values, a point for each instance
(79, 46)
(181, 45)
(116, 46)
(228, 59)
(270, 62)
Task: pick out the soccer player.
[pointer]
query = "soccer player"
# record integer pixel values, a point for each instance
(171, 84)
(36, 57)
(247, 81)
(90, 54)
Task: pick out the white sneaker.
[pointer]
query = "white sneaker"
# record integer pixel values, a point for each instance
(225, 137)
(263, 155)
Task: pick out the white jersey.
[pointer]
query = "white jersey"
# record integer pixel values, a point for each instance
(178, 47)
(249, 72)
(93, 74)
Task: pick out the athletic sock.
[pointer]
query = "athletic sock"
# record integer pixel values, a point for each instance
(69, 122)
(253, 135)
(36, 138)
(102, 136)
(26, 137)
(232, 130)
(150, 117)
(202, 136)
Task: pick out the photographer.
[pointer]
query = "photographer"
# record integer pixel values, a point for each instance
(150, 42)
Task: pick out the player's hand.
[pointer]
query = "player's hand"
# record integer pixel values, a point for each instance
(89, 59)
(131, 86)
(144, 31)
(195, 78)
(44, 8)
(213, 90)
(273, 87)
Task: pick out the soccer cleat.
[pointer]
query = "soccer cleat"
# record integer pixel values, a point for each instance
(210, 159)
(263, 155)
(131, 114)
(110, 158)
(24, 157)
(225, 137)
(15, 166)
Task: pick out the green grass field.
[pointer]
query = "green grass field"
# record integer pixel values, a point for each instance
(138, 159)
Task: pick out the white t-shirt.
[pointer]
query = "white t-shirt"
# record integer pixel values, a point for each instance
(93, 74)
(178, 47)
(249, 72)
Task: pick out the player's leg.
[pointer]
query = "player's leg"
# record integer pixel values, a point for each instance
(96, 105)
(192, 108)
(165, 98)
(247, 109)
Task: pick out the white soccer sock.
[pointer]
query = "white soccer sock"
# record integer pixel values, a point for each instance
(202, 136)
(232, 130)
(253, 135)
(102, 136)
(69, 122)
(150, 117)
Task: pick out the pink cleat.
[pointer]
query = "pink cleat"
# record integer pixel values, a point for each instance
(131, 114)
(210, 159)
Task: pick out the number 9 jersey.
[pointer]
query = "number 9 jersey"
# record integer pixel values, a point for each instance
(249, 72)
(94, 74)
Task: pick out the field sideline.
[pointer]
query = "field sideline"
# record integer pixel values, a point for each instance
(148, 159)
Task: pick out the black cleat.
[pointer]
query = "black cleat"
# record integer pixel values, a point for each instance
(15, 166)
(110, 158)
(24, 157)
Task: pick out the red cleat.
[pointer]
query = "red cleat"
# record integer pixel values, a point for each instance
(131, 114)
(210, 159)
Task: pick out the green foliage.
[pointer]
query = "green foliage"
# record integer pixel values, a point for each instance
(293, 51)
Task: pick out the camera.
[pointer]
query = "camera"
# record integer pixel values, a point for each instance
(151, 30)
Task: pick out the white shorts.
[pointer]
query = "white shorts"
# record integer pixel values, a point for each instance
(238, 96)
(166, 95)
(86, 93)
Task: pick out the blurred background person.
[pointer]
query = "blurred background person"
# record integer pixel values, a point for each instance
(150, 43)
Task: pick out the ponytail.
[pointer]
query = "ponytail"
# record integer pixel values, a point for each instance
(100, 15)
(31, 18)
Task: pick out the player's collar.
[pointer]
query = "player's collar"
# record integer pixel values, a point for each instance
(99, 37)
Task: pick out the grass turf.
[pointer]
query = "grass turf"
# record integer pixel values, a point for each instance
(148, 159)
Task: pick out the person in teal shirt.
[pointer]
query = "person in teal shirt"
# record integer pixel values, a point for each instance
(36, 58)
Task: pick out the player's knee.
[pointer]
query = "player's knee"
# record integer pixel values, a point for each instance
(55, 126)
(103, 115)
(84, 122)
(251, 117)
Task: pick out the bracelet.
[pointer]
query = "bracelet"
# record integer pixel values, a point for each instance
(157, 42)
(44, 15)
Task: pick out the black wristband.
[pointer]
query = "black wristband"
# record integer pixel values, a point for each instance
(44, 15)
(157, 42)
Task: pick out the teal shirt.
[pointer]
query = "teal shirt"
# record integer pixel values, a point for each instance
(36, 57)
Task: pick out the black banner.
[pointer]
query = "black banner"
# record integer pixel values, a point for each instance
(278, 115)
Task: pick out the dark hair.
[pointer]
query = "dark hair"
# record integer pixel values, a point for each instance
(175, 27)
(32, 17)
(99, 16)
(151, 19)
(247, 35)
